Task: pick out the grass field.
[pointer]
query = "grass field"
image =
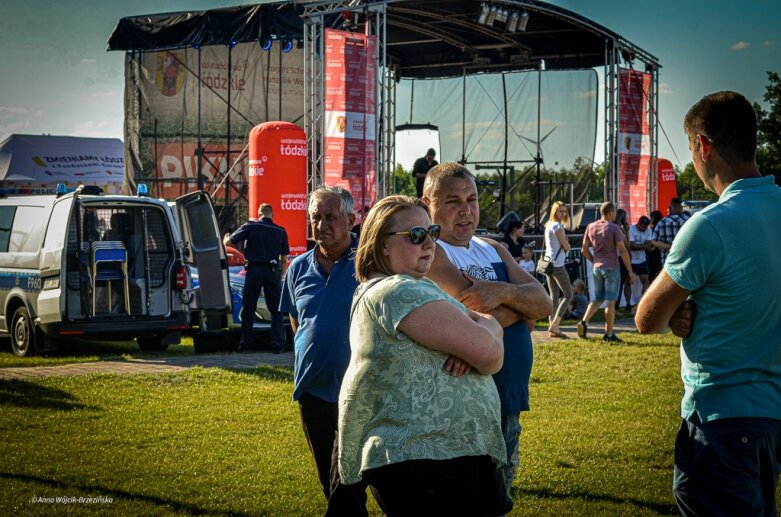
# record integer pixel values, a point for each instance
(598, 441)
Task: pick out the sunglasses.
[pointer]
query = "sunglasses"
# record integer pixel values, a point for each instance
(417, 234)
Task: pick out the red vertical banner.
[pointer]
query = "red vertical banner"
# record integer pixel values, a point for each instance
(634, 142)
(350, 114)
(277, 176)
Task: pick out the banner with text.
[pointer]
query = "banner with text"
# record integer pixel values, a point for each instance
(634, 142)
(350, 115)
(185, 95)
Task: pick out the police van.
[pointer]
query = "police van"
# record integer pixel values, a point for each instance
(83, 265)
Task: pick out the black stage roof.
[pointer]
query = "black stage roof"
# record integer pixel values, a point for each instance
(425, 38)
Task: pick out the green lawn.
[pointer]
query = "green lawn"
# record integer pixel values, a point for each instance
(598, 441)
(88, 351)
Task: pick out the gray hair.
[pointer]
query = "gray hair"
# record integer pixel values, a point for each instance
(346, 202)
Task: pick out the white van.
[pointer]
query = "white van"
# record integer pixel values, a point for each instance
(83, 265)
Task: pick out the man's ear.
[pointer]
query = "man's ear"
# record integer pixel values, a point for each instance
(351, 220)
(706, 148)
(425, 200)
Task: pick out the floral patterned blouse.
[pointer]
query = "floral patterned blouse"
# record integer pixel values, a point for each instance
(396, 402)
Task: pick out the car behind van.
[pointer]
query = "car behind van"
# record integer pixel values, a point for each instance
(82, 265)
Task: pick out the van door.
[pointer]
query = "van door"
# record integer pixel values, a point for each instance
(203, 251)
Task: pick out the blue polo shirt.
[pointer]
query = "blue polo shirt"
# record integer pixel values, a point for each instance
(729, 257)
(321, 305)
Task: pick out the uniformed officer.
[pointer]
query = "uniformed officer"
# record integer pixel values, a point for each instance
(265, 250)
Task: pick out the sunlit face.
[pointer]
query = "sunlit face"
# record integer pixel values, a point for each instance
(330, 227)
(454, 206)
(561, 213)
(404, 257)
(526, 254)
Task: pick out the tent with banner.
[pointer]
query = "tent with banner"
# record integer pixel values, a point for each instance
(35, 164)
(512, 86)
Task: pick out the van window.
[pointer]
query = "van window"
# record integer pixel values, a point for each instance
(26, 234)
(55, 233)
(6, 220)
(201, 223)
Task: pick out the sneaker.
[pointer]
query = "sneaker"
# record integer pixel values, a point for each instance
(606, 339)
(582, 329)
(612, 339)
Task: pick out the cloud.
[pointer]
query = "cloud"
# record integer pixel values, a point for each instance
(13, 110)
(768, 43)
(664, 89)
(92, 128)
(87, 61)
(741, 45)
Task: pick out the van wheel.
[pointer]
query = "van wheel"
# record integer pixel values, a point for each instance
(22, 335)
(151, 343)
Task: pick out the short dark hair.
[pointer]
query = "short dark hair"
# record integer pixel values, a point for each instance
(438, 173)
(728, 120)
(512, 225)
(431, 152)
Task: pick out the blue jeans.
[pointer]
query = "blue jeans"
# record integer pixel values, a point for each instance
(511, 430)
(607, 282)
(727, 467)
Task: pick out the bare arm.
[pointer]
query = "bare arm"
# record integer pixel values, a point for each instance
(522, 293)
(452, 281)
(562, 237)
(660, 303)
(293, 324)
(474, 338)
(226, 240)
(585, 249)
(661, 245)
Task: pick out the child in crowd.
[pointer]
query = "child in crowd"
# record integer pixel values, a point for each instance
(527, 260)
(579, 300)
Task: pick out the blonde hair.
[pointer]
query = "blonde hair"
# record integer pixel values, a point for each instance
(552, 217)
(369, 257)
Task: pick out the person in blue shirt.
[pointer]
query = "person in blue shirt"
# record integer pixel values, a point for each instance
(317, 294)
(265, 252)
(719, 291)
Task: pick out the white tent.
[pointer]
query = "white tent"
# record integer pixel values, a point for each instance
(35, 164)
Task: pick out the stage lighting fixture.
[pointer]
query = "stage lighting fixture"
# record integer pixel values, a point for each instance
(484, 11)
(287, 45)
(493, 12)
(231, 44)
(265, 44)
(523, 21)
(196, 46)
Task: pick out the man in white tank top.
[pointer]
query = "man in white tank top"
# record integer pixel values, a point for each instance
(483, 275)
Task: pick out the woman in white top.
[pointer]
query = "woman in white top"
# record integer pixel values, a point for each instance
(556, 248)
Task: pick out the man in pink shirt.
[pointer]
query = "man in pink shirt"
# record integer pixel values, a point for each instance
(607, 240)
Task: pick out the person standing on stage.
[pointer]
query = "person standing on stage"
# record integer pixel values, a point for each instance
(421, 168)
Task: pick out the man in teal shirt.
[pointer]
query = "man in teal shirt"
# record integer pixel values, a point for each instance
(726, 260)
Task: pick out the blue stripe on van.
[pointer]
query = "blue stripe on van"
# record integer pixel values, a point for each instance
(26, 281)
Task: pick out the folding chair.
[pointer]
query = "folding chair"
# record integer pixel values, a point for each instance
(109, 263)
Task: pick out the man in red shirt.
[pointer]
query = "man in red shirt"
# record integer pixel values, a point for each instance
(607, 240)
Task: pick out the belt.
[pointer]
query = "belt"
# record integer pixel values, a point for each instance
(262, 262)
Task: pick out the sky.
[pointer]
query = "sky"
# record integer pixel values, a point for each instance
(57, 78)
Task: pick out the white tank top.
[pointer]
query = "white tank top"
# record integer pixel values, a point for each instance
(477, 259)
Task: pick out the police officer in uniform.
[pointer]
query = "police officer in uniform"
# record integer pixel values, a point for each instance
(265, 250)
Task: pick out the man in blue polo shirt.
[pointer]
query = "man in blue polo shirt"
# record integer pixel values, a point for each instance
(317, 293)
(725, 259)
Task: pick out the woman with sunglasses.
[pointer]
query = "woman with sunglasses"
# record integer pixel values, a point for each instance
(418, 410)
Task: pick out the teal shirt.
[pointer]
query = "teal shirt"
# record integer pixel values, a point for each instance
(397, 403)
(729, 257)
